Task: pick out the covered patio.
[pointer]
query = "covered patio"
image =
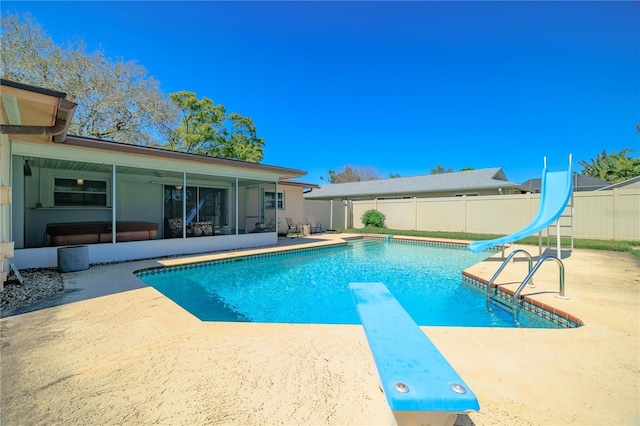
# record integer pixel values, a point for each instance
(123, 201)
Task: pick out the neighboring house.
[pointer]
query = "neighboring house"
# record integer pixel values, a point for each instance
(633, 183)
(580, 183)
(472, 182)
(57, 189)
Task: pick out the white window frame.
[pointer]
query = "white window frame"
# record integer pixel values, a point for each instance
(279, 200)
(107, 192)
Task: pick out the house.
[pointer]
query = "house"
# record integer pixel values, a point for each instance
(124, 201)
(491, 181)
(631, 183)
(290, 202)
(580, 183)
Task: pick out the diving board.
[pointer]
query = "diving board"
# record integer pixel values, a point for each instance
(419, 384)
(555, 193)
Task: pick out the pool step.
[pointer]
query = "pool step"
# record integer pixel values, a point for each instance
(365, 242)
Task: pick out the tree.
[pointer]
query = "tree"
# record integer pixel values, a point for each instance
(612, 167)
(205, 128)
(116, 100)
(243, 142)
(200, 121)
(439, 169)
(354, 174)
(346, 175)
(394, 175)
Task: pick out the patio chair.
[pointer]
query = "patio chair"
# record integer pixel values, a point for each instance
(314, 227)
(174, 228)
(293, 227)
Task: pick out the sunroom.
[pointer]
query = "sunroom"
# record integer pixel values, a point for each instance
(126, 201)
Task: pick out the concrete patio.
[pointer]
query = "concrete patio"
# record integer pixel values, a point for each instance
(111, 350)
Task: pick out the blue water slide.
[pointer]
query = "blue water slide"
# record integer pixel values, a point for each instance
(555, 192)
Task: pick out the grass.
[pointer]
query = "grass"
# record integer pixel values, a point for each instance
(632, 247)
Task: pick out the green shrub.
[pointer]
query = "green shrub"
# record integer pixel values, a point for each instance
(373, 218)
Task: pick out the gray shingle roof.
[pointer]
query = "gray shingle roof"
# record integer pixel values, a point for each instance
(580, 183)
(628, 182)
(457, 181)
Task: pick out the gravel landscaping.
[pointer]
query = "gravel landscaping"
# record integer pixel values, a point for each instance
(38, 284)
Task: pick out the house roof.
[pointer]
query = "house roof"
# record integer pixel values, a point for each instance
(31, 110)
(457, 181)
(628, 182)
(46, 115)
(580, 183)
(85, 142)
(299, 184)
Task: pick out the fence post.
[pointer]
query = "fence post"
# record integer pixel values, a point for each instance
(613, 212)
(464, 206)
(415, 213)
(346, 213)
(330, 214)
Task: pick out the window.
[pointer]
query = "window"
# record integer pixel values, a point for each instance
(270, 200)
(79, 193)
(471, 194)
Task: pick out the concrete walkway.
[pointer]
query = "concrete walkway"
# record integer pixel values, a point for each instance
(112, 350)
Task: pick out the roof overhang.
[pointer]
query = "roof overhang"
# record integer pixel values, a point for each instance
(38, 115)
(184, 157)
(303, 185)
(30, 110)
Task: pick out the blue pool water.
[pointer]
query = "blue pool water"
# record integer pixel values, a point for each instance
(312, 286)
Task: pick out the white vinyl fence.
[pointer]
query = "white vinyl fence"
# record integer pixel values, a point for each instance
(607, 215)
(329, 214)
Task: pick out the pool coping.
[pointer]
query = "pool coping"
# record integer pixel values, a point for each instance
(231, 259)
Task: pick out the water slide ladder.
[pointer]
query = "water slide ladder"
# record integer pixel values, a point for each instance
(515, 302)
(563, 228)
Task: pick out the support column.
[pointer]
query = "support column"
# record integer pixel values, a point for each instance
(184, 205)
(6, 240)
(113, 205)
(237, 204)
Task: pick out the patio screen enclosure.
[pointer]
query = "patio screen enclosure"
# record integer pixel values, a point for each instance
(176, 204)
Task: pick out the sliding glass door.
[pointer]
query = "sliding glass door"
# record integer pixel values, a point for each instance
(207, 211)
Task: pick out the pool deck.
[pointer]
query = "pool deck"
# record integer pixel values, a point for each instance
(111, 350)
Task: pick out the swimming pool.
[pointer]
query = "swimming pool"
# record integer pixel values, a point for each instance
(312, 286)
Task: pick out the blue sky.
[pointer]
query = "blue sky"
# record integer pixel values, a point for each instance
(400, 86)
